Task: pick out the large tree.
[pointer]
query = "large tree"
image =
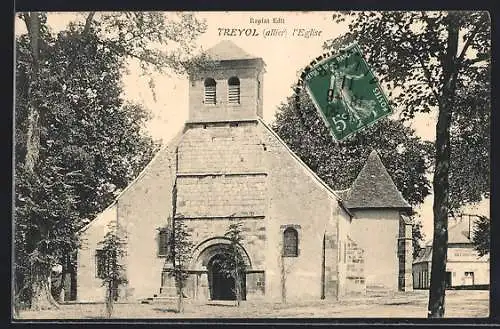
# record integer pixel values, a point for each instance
(430, 60)
(77, 142)
(406, 156)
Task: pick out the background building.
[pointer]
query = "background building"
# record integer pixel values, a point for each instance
(464, 267)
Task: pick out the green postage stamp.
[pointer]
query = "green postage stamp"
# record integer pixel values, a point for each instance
(346, 93)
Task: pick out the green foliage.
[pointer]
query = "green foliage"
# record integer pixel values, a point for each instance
(231, 262)
(405, 155)
(181, 248)
(234, 265)
(481, 236)
(430, 59)
(407, 51)
(92, 144)
(470, 140)
(159, 41)
(113, 248)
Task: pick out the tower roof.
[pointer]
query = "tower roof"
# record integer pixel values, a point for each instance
(227, 50)
(374, 188)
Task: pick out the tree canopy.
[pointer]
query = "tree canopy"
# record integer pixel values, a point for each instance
(406, 156)
(406, 50)
(481, 235)
(78, 142)
(429, 61)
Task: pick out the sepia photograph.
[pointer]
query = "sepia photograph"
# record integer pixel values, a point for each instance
(252, 165)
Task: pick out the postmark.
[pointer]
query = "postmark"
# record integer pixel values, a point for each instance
(345, 91)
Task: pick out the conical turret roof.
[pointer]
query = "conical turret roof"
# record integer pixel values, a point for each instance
(374, 188)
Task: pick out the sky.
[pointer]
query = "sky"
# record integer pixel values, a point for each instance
(285, 56)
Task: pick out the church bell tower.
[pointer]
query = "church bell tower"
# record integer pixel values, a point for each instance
(229, 89)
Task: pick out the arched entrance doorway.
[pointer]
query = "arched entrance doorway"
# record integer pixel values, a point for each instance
(212, 283)
(222, 283)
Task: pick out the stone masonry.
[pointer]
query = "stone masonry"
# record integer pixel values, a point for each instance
(227, 165)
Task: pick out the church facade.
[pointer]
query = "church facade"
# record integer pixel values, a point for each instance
(300, 238)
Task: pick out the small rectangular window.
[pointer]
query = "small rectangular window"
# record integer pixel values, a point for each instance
(163, 242)
(233, 90)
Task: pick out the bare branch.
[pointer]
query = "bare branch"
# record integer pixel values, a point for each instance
(88, 22)
(469, 41)
(475, 60)
(427, 76)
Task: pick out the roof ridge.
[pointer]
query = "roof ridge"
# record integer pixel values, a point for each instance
(306, 167)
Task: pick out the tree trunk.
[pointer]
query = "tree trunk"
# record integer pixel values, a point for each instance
(42, 298)
(32, 22)
(237, 280)
(180, 302)
(436, 307)
(283, 279)
(109, 299)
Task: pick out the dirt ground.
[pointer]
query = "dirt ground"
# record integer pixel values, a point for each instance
(459, 304)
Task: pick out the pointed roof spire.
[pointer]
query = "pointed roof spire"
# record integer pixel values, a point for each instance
(227, 50)
(374, 188)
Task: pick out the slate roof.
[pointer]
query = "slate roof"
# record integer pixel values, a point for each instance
(343, 193)
(425, 255)
(374, 188)
(227, 50)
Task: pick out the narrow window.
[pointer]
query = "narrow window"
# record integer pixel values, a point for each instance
(163, 242)
(210, 94)
(290, 243)
(233, 91)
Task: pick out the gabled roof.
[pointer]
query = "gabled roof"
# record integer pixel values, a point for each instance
(374, 188)
(227, 50)
(425, 255)
(459, 232)
(307, 169)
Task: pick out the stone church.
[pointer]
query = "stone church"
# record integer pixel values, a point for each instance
(300, 237)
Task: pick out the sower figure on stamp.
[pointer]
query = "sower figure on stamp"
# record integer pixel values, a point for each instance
(340, 92)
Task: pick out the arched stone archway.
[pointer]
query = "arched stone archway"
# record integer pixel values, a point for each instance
(207, 259)
(208, 248)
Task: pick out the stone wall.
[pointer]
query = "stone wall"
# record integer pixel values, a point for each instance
(405, 254)
(296, 198)
(221, 148)
(376, 231)
(89, 286)
(355, 269)
(250, 105)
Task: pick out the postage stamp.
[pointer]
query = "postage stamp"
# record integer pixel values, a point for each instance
(346, 93)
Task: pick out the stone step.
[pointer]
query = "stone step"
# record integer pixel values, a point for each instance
(158, 300)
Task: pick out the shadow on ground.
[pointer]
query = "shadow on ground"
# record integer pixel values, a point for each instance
(223, 305)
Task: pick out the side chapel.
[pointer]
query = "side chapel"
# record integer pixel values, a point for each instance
(228, 165)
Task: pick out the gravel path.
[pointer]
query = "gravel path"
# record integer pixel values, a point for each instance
(459, 304)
